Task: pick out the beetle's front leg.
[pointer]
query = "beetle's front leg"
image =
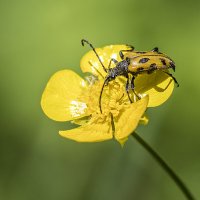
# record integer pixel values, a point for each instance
(112, 60)
(128, 50)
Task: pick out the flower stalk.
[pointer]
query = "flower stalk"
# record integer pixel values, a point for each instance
(165, 166)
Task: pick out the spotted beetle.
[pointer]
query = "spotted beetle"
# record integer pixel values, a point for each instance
(134, 63)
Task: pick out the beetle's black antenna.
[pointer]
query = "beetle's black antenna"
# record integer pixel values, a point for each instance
(85, 41)
(105, 82)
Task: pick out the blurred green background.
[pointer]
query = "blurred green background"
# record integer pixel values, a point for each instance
(38, 38)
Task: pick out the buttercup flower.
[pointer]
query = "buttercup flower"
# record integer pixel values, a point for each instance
(68, 97)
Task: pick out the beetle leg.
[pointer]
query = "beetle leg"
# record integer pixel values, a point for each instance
(133, 87)
(112, 60)
(122, 55)
(127, 88)
(155, 49)
(172, 78)
(131, 47)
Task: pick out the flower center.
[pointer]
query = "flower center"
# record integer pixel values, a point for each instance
(113, 100)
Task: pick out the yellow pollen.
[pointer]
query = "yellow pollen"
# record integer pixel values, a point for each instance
(114, 99)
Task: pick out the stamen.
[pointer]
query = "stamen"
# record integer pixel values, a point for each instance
(113, 99)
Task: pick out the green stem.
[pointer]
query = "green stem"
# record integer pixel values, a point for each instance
(166, 167)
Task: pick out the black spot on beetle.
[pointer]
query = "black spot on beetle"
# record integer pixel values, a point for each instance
(139, 69)
(163, 61)
(140, 52)
(152, 68)
(153, 65)
(143, 60)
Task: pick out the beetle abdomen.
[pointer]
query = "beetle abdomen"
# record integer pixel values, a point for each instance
(141, 63)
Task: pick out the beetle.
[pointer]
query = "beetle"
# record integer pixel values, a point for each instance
(134, 63)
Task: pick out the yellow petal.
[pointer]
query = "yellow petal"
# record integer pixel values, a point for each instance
(122, 141)
(129, 119)
(158, 85)
(59, 99)
(90, 62)
(89, 133)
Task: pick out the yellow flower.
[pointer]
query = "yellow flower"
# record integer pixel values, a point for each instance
(68, 97)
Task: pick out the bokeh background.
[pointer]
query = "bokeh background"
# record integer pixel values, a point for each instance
(38, 38)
